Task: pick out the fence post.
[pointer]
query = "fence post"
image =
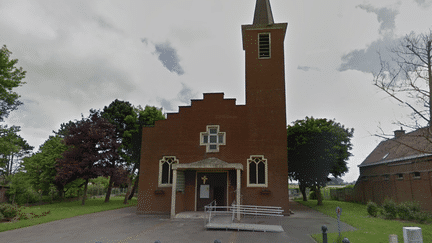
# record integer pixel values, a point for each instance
(345, 240)
(324, 232)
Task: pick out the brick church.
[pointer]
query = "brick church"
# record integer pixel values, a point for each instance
(215, 150)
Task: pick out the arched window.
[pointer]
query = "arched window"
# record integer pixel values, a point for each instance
(165, 170)
(257, 171)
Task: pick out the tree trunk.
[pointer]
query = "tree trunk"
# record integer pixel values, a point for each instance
(134, 188)
(11, 164)
(85, 192)
(128, 191)
(318, 195)
(429, 69)
(108, 194)
(303, 192)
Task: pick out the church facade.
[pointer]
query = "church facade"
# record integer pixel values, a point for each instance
(215, 150)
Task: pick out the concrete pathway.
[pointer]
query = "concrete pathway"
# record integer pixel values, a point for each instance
(124, 225)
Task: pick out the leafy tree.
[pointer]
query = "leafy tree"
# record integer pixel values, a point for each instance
(12, 147)
(10, 77)
(146, 117)
(407, 78)
(20, 190)
(128, 121)
(317, 148)
(40, 166)
(116, 113)
(93, 149)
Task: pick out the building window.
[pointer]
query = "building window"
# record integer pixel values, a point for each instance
(400, 176)
(386, 177)
(257, 171)
(212, 139)
(264, 45)
(416, 175)
(165, 170)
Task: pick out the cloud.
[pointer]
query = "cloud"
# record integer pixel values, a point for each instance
(144, 40)
(423, 3)
(166, 104)
(386, 17)
(185, 94)
(169, 58)
(307, 68)
(367, 60)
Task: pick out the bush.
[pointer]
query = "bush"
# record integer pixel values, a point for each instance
(8, 210)
(390, 209)
(421, 216)
(1, 216)
(406, 210)
(372, 209)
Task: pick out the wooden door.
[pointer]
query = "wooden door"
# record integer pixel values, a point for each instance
(211, 186)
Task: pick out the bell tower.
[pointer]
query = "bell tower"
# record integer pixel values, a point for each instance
(263, 43)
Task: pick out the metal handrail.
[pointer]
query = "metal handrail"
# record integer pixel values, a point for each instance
(244, 210)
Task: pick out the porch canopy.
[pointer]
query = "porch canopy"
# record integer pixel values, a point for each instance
(209, 163)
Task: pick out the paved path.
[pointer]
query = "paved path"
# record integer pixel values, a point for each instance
(124, 225)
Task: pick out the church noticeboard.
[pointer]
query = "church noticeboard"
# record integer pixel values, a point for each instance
(205, 191)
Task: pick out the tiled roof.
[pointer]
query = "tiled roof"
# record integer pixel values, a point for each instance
(263, 14)
(412, 145)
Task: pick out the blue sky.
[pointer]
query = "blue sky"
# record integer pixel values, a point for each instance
(84, 54)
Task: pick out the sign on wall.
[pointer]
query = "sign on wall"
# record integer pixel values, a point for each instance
(205, 191)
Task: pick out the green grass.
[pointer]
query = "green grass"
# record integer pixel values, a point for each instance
(65, 210)
(369, 229)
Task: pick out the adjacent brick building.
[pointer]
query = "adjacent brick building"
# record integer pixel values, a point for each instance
(217, 150)
(398, 168)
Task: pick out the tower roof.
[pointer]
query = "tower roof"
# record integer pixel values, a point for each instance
(263, 14)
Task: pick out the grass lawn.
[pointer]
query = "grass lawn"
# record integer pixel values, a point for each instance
(369, 229)
(65, 210)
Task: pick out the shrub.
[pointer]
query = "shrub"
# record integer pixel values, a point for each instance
(422, 217)
(1, 216)
(406, 210)
(8, 210)
(372, 208)
(390, 209)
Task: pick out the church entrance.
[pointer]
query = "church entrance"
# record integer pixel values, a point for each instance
(211, 186)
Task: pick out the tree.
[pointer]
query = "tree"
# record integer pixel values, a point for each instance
(129, 121)
(146, 118)
(10, 77)
(41, 166)
(317, 148)
(12, 148)
(407, 78)
(93, 149)
(123, 116)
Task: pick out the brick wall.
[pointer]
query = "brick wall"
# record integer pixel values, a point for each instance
(383, 181)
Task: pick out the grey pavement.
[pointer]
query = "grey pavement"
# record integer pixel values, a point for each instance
(124, 225)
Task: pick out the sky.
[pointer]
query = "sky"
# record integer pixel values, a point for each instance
(82, 55)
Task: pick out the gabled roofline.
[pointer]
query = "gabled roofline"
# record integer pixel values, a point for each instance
(395, 160)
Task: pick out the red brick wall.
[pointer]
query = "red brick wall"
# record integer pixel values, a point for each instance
(376, 188)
